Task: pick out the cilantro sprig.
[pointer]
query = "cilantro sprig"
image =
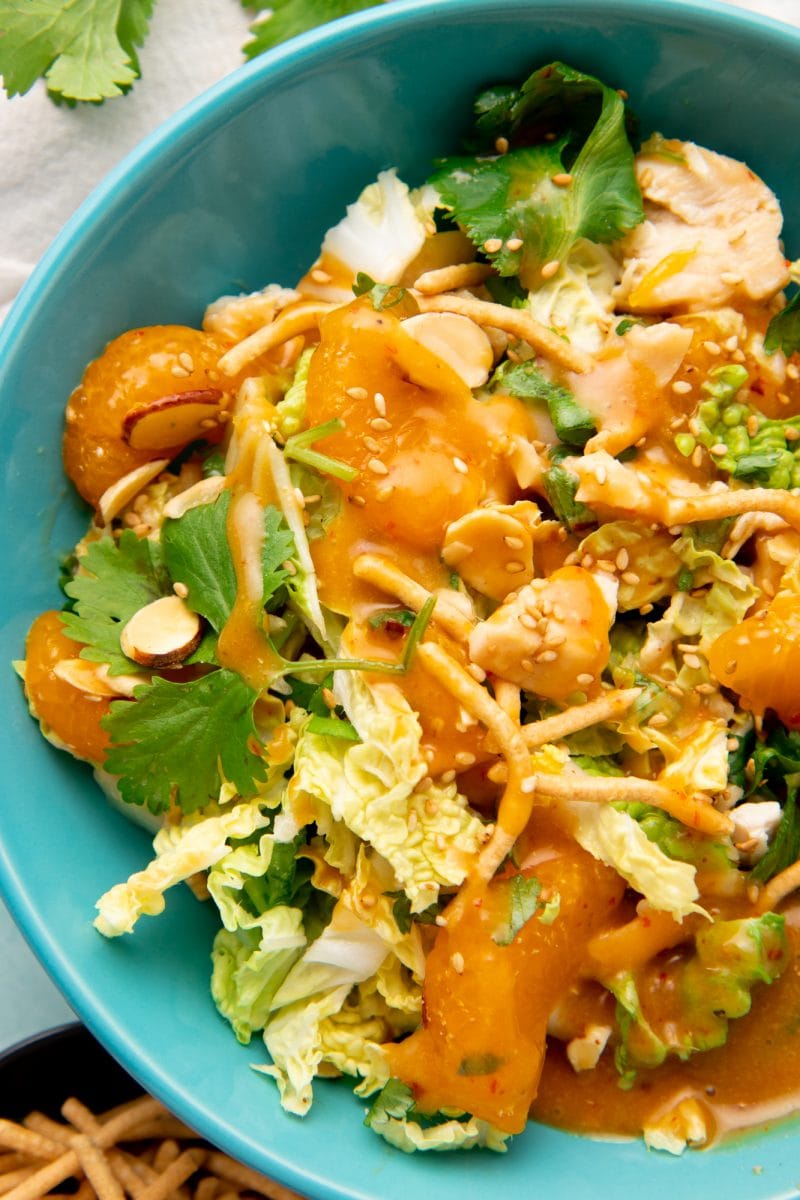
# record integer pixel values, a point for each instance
(174, 744)
(528, 206)
(86, 50)
(114, 581)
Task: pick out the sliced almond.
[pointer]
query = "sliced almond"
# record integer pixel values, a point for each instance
(94, 679)
(457, 340)
(491, 550)
(203, 492)
(162, 634)
(119, 494)
(172, 420)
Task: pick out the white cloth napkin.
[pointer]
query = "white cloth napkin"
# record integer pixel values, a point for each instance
(52, 156)
(50, 159)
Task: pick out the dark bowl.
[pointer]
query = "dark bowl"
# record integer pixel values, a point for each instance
(45, 1070)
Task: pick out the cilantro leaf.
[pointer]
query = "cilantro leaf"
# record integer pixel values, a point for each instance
(115, 580)
(403, 916)
(85, 49)
(197, 554)
(288, 18)
(512, 197)
(783, 331)
(278, 548)
(573, 424)
(523, 903)
(395, 1100)
(178, 739)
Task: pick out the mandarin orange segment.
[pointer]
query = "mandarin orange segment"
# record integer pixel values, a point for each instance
(760, 659)
(463, 1056)
(135, 370)
(72, 716)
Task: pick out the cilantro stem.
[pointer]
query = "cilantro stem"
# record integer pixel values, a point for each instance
(415, 634)
(298, 448)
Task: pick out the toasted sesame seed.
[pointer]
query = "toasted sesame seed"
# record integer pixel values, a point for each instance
(359, 501)
(605, 564)
(497, 773)
(412, 820)
(501, 145)
(791, 433)
(562, 179)
(514, 568)
(712, 348)
(179, 372)
(547, 656)
(514, 243)
(328, 697)
(377, 467)
(180, 589)
(658, 719)
(681, 387)
(645, 609)
(697, 456)
(705, 689)
(622, 559)
(492, 245)
(692, 661)
(357, 393)
(513, 543)
(526, 664)
(550, 268)
(457, 961)
(526, 620)
(465, 759)
(732, 342)
(555, 638)
(379, 400)
(674, 690)
(738, 356)
(460, 466)
(320, 276)
(752, 425)
(585, 679)
(440, 920)
(694, 426)
(733, 744)
(186, 361)
(719, 449)
(380, 424)
(793, 371)
(623, 95)
(448, 776)
(601, 475)
(630, 577)
(528, 786)
(372, 445)
(208, 423)
(431, 807)
(783, 398)
(289, 567)
(587, 562)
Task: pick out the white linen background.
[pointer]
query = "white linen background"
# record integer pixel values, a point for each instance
(50, 159)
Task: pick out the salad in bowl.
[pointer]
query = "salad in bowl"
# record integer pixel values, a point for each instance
(440, 614)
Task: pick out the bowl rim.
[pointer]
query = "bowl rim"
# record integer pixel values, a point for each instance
(200, 118)
(34, 1042)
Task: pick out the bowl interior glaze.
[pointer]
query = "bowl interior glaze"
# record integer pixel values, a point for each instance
(234, 192)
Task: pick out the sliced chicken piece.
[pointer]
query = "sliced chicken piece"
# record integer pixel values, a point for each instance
(710, 235)
(551, 637)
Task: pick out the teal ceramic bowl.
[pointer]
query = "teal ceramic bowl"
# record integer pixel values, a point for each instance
(234, 192)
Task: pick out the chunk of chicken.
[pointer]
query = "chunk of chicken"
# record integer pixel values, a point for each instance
(551, 637)
(710, 235)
